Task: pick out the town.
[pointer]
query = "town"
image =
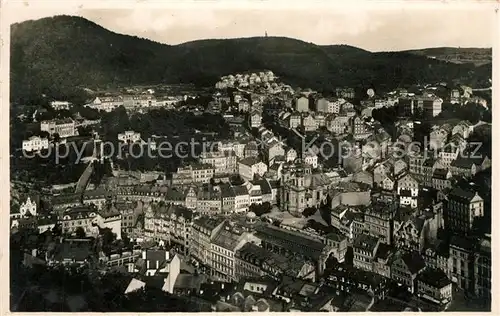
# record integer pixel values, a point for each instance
(306, 201)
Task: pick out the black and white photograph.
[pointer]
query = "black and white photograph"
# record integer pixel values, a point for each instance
(248, 156)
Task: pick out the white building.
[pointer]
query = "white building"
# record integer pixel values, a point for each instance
(251, 166)
(35, 143)
(129, 137)
(64, 127)
(28, 208)
(60, 105)
(255, 119)
(311, 159)
(223, 162)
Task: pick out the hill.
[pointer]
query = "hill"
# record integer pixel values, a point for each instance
(57, 55)
(478, 56)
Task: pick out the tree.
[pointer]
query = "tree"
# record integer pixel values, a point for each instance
(260, 209)
(80, 232)
(310, 211)
(57, 230)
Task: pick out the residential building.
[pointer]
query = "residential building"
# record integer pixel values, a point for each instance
(441, 179)
(408, 189)
(302, 104)
(462, 207)
(435, 286)
(364, 249)
(223, 162)
(229, 239)
(106, 103)
(309, 123)
(405, 268)
(251, 166)
(203, 231)
(255, 119)
(79, 216)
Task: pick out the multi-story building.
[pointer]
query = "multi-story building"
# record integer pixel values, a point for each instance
(229, 239)
(223, 162)
(462, 253)
(241, 198)
(378, 219)
(309, 123)
(338, 125)
(129, 137)
(35, 143)
(302, 104)
(63, 127)
(441, 179)
(405, 268)
(106, 103)
(435, 286)
(482, 268)
(408, 188)
(237, 146)
(365, 248)
(251, 166)
(194, 173)
(462, 207)
(203, 231)
(79, 216)
(255, 119)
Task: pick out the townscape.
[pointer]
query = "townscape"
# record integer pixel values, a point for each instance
(272, 198)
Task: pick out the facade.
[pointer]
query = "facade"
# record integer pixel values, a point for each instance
(405, 268)
(223, 162)
(64, 127)
(434, 285)
(302, 104)
(251, 166)
(364, 249)
(35, 143)
(461, 209)
(203, 231)
(129, 137)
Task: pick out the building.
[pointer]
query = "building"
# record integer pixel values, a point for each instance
(109, 218)
(378, 221)
(106, 103)
(129, 137)
(321, 105)
(255, 119)
(251, 166)
(365, 248)
(223, 162)
(462, 207)
(408, 189)
(441, 179)
(60, 105)
(203, 231)
(79, 216)
(462, 253)
(28, 208)
(309, 123)
(405, 268)
(35, 143)
(193, 173)
(238, 146)
(428, 105)
(434, 285)
(302, 189)
(229, 239)
(482, 268)
(63, 127)
(302, 104)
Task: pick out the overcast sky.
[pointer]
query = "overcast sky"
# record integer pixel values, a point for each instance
(375, 28)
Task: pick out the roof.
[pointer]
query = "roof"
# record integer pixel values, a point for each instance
(240, 190)
(227, 238)
(413, 261)
(208, 222)
(440, 173)
(434, 277)
(265, 187)
(366, 242)
(249, 161)
(189, 281)
(295, 242)
(463, 195)
(384, 251)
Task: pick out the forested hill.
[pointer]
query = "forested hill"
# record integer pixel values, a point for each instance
(56, 55)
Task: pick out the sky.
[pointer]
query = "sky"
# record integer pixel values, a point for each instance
(380, 27)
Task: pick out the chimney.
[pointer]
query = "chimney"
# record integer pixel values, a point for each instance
(144, 254)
